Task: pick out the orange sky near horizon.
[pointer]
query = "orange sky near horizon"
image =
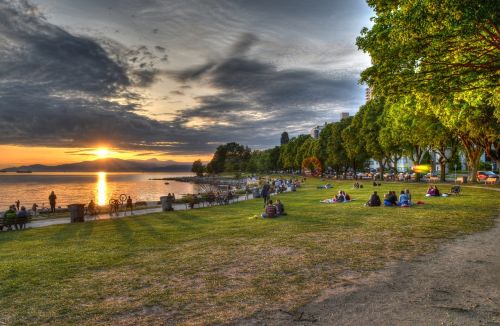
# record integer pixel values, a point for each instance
(12, 155)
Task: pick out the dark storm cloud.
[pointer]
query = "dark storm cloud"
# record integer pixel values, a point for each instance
(60, 89)
(244, 44)
(260, 100)
(57, 89)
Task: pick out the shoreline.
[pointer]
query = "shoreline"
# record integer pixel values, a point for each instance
(38, 223)
(211, 180)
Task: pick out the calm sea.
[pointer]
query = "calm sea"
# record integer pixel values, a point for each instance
(82, 187)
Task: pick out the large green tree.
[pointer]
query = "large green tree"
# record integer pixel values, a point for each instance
(434, 47)
(231, 157)
(372, 122)
(291, 154)
(445, 53)
(198, 168)
(353, 143)
(337, 156)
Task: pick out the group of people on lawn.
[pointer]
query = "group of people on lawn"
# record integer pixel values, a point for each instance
(391, 199)
(270, 210)
(340, 197)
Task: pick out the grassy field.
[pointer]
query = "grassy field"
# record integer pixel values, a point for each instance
(219, 264)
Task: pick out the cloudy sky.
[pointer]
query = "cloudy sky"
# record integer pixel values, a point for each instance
(172, 78)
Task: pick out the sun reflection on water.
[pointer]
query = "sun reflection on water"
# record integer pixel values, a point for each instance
(101, 189)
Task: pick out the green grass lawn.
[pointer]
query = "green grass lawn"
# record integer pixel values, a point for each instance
(220, 264)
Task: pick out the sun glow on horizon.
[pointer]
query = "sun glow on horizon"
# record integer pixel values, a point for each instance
(15, 155)
(102, 152)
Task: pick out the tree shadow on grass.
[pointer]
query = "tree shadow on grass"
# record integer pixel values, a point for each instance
(65, 233)
(181, 222)
(124, 230)
(86, 231)
(145, 224)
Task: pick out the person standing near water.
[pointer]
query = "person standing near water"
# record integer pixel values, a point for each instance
(18, 203)
(34, 209)
(129, 206)
(52, 202)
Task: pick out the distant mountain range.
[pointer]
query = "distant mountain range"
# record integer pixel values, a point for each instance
(108, 165)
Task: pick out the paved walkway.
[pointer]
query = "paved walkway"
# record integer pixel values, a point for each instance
(66, 220)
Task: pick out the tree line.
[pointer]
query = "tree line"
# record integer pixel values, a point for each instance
(434, 80)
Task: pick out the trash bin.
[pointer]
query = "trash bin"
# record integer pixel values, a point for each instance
(77, 212)
(166, 203)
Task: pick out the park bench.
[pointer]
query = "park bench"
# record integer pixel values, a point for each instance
(8, 223)
(434, 179)
(490, 181)
(459, 180)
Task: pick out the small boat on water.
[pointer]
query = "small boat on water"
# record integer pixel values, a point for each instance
(24, 171)
(167, 183)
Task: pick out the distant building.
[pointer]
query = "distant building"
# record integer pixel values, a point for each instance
(316, 131)
(368, 94)
(344, 115)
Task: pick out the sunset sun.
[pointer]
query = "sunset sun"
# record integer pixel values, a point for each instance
(102, 152)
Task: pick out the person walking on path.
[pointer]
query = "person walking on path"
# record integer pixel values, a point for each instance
(52, 202)
(18, 204)
(265, 193)
(34, 209)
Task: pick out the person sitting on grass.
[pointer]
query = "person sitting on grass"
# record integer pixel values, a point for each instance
(357, 185)
(432, 191)
(374, 200)
(280, 208)
(390, 199)
(393, 198)
(407, 192)
(340, 198)
(270, 210)
(403, 199)
(387, 202)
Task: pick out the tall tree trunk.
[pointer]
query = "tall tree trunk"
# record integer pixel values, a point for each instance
(381, 164)
(416, 156)
(492, 149)
(443, 158)
(442, 166)
(473, 152)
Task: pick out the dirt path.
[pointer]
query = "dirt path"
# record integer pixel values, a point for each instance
(457, 285)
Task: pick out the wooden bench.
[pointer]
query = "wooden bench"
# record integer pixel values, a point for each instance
(491, 181)
(459, 180)
(17, 222)
(436, 179)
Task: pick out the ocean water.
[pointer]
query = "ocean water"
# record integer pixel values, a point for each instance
(73, 188)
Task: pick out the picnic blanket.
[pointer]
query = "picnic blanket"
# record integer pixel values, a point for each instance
(333, 201)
